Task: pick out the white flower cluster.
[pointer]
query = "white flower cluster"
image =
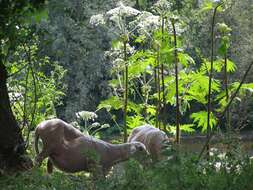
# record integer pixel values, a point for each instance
(86, 115)
(104, 126)
(94, 125)
(97, 20)
(115, 19)
(146, 22)
(123, 11)
(162, 6)
(179, 28)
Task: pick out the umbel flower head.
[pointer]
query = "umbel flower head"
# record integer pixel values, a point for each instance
(114, 15)
(223, 28)
(86, 115)
(145, 23)
(123, 10)
(116, 20)
(97, 20)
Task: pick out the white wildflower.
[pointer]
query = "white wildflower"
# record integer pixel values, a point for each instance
(96, 124)
(105, 126)
(123, 10)
(86, 115)
(162, 6)
(146, 22)
(97, 20)
(118, 61)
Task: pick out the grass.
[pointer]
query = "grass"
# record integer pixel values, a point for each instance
(36, 179)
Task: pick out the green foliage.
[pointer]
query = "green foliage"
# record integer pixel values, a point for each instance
(37, 180)
(140, 62)
(135, 121)
(229, 168)
(35, 84)
(185, 59)
(225, 38)
(86, 122)
(218, 65)
(113, 102)
(244, 90)
(186, 128)
(12, 14)
(184, 172)
(245, 87)
(209, 5)
(157, 48)
(201, 119)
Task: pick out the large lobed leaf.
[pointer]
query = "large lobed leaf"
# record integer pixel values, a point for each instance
(200, 118)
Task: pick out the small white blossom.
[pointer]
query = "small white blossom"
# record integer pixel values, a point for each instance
(15, 96)
(86, 115)
(216, 1)
(123, 10)
(96, 124)
(97, 20)
(105, 126)
(146, 22)
(162, 6)
(118, 61)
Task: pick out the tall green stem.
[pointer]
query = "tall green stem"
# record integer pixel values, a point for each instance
(163, 84)
(226, 108)
(158, 109)
(227, 93)
(156, 113)
(177, 91)
(210, 78)
(125, 91)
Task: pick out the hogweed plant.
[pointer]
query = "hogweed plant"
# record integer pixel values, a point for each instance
(223, 50)
(86, 122)
(141, 53)
(117, 17)
(155, 49)
(217, 65)
(215, 7)
(173, 20)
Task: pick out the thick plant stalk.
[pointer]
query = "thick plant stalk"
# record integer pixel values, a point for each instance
(158, 108)
(227, 93)
(163, 84)
(210, 78)
(177, 91)
(145, 93)
(226, 109)
(156, 114)
(125, 91)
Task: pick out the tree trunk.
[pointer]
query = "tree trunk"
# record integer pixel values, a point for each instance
(11, 141)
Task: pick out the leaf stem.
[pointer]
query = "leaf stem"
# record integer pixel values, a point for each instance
(126, 91)
(177, 91)
(210, 78)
